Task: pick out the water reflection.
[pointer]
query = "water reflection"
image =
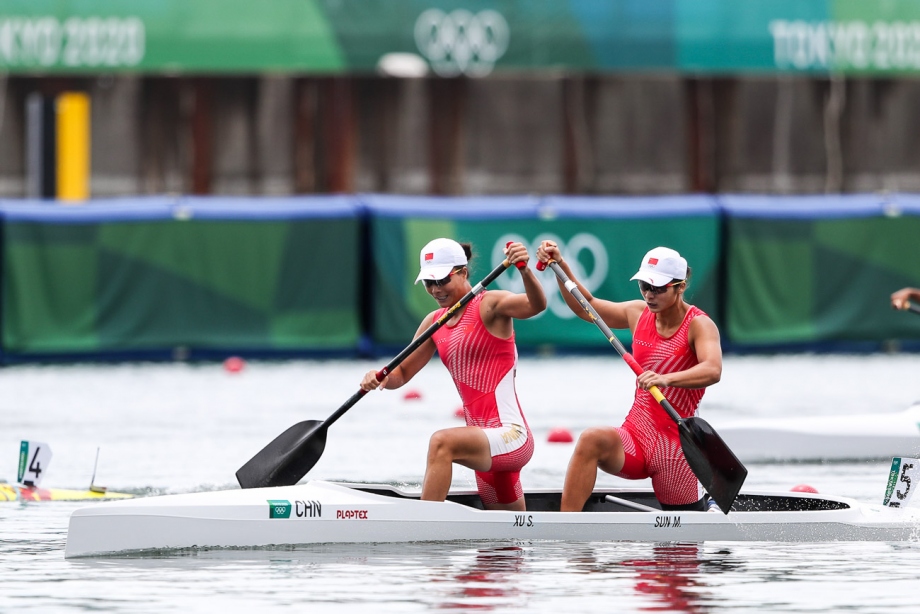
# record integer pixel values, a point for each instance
(488, 582)
(672, 576)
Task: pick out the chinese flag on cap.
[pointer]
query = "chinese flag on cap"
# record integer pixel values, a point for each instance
(653, 261)
(429, 256)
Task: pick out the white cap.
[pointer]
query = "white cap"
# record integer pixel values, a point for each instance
(438, 259)
(660, 266)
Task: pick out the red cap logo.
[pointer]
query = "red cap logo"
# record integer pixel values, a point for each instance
(429, 256)
(653, 261)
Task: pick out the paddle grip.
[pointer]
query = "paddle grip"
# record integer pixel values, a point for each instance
(519, 265)
(633, 364)
(382, 374)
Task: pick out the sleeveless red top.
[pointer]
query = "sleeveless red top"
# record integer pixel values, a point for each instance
(482, 366)
(664, 355)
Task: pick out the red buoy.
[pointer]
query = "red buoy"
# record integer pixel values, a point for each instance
(234, 364)
(804, 488)
(412, 395)
(459, 413)
(560, 435)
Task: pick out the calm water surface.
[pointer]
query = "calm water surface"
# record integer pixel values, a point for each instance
(181, 428)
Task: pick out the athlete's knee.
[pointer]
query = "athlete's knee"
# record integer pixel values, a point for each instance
(440, 446)
(593, 442)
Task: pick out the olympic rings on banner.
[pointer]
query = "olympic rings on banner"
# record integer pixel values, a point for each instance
(460, 42)
(571, 251)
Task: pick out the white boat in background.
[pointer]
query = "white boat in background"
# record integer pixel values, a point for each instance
(824, 438)
(320, 512)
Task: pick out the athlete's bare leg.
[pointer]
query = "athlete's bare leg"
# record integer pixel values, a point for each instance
(466, 445)
(597, 447)
(515, 506)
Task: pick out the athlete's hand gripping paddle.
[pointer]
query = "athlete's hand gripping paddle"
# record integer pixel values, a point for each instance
(294, 452)
(712, 461)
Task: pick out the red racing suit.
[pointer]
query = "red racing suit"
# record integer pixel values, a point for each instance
(651, 441)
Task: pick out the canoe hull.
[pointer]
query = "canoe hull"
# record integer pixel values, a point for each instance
(323, 512)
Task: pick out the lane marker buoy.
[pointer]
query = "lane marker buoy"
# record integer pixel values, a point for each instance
(234, 364)
(560, 435)
(804, 488)
(412, 395)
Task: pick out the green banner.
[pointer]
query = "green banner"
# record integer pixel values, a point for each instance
(155, 285)
(604, 252)
(453, 37)
(794, 281)
(166, 36)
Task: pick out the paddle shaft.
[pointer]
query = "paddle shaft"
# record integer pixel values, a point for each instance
(572, 287)
(912, 307)
(418, 341)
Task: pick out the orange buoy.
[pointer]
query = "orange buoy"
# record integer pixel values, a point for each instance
(412, 395)
(560, 435)
(804, 488)
(234, 364)
(459, 413)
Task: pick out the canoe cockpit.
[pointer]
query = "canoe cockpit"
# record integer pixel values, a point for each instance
(614, 500)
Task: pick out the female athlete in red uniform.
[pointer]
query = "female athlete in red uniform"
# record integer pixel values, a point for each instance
(477, 347)
(678, 346)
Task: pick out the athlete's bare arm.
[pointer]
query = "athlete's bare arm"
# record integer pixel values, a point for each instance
(903, 297)
(615, 315)
(499, 307)
(408, 367)
(704, 341)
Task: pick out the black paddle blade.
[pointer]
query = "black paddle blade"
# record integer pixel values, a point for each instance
(715, 465)
(287, 458)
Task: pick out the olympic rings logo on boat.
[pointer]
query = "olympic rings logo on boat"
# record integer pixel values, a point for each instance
(571, 250)
(279, 508)
(461, 42)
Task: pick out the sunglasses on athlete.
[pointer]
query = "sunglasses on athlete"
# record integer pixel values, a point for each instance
(429, 283)
(646, 287)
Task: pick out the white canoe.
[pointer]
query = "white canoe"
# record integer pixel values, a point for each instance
(325, 512)
(824, 438)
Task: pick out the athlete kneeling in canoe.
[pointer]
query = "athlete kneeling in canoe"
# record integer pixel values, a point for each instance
(477, 347)
(678, 347)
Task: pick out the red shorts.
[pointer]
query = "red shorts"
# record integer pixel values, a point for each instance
(657, 454)
(502, 483)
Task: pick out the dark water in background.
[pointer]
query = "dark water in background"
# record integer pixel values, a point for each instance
(179, 428)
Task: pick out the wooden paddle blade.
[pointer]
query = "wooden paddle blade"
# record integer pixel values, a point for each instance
(287, 458)
(715, 465)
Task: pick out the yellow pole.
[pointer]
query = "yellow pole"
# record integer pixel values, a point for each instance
(73, 146)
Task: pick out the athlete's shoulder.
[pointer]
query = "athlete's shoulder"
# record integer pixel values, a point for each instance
(702, 324)
(488, 299)
(431, 317)
(493, 295)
